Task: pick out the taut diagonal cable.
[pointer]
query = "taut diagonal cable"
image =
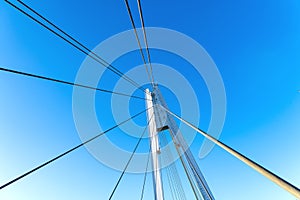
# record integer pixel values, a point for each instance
(186, 169)
(138, 41)
(172, 173)
(145, 175)
(145, 38)
(67, 152)
(128, 162)
(68, 83)
(265, 172)
(79, 45)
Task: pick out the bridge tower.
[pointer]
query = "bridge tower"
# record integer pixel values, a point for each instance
(160, 120)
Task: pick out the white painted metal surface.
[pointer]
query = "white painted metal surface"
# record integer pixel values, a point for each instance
(155, 151)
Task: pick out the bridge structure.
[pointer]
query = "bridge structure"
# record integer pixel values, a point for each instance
(160, 122)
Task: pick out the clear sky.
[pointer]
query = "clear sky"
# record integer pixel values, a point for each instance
(255, 45)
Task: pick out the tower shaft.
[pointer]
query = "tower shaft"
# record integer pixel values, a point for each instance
(155, 150)
(165, 121)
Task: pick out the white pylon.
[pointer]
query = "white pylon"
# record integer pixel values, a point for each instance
(165, 121)
(155, 150)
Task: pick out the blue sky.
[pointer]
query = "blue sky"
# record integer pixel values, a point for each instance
(255, 45)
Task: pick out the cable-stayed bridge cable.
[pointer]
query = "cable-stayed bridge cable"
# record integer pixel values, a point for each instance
(193, 168)
(128, 162)
(171, 181)
(265, 172)
(145, 38)
(145, 175)
(172, 172)
(138, 41)
(81, 47)
(109, 66)
(67, 152)
(67, 82)
(186, 170)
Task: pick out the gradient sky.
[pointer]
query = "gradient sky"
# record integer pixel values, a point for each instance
(255, 45)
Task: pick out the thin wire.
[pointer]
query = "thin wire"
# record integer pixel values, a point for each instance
(185, 168)
(138, 40)
(174, 185)
(265, 172)
(67, 152)
(94, 56)
(145, 175)
(170, 182)
(171, 185)
(68, 83)
(178, 190)
(192, 163)
(145, 38)
(83, 46)
(189, 158)
(201, 184)
(128, 162)
(193, 168)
